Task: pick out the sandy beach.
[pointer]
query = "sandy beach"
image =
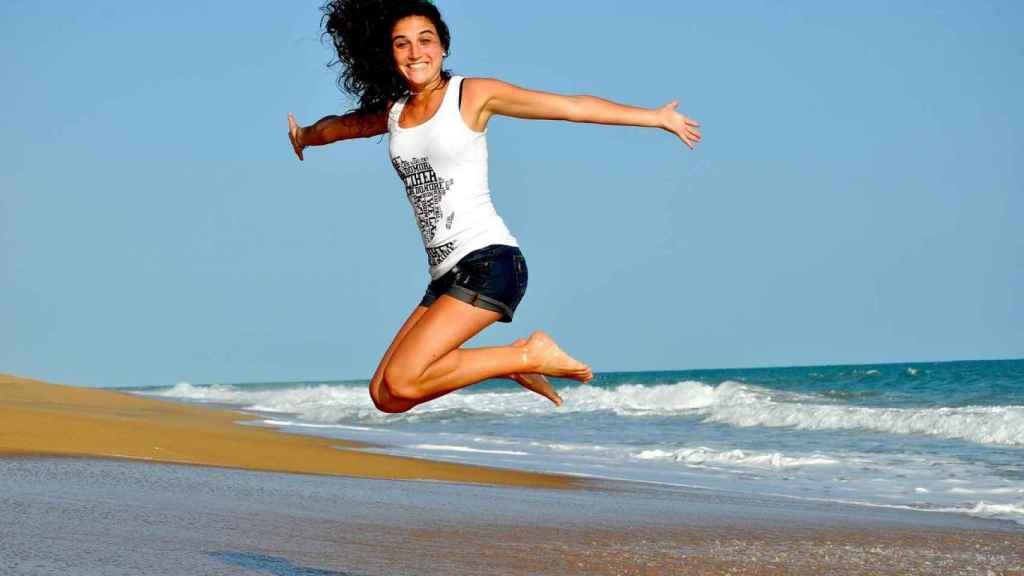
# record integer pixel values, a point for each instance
(39, 418)
(155, 487)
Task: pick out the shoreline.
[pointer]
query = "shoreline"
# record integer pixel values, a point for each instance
(109, 517)
(43, 419)
(223, 496)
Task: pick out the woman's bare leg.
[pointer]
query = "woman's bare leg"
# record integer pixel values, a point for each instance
(427, 361)
(378, 392)
(384, 401)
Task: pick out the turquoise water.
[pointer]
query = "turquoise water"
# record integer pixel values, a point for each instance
(932, 436)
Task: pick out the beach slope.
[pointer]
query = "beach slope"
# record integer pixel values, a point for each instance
(39, 418)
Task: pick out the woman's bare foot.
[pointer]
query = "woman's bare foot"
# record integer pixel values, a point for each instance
(543, 352)
(535, 382)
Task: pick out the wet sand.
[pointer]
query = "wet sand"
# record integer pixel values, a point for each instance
(125, 513)
(105, 517)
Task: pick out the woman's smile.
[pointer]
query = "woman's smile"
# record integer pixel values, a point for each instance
(417, 51)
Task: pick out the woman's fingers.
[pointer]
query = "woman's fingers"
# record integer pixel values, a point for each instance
(692, 134)
(293, 135)
(293, 126)
(683, 127)
(687, 132)
(686, 138)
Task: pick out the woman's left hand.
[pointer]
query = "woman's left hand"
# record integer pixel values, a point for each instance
(685, 128)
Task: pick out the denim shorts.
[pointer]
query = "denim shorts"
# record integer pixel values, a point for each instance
(492, 278)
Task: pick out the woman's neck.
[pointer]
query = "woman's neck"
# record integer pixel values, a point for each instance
(428, 89)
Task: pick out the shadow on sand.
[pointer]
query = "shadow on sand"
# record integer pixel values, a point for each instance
(272, 564)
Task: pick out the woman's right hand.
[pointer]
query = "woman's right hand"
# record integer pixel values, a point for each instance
(687, 129)
(295, 135)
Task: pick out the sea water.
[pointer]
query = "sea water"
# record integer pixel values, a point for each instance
(947, 437)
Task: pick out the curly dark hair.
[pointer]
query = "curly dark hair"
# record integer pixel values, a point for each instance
(360, 31)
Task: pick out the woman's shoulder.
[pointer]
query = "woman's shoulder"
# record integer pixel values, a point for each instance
(479, 81)
(481, 87)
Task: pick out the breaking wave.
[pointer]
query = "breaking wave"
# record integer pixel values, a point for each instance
(729, 403)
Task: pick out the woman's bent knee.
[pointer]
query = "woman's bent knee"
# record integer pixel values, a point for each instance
(385, 401)
(393, 407)
(400, 383)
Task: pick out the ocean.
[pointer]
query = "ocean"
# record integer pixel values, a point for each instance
(943, 437)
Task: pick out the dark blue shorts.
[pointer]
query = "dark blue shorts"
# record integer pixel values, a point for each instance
(492, 278)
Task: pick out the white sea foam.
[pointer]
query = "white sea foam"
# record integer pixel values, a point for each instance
(1001, 425)
(446, 448)
(295, 423)
(666, 399)
(990, 491)
(731, 403)
(983, 509)
(705, 456)
(743, 405)
(215, 393)
(930, 481)
(322, 404)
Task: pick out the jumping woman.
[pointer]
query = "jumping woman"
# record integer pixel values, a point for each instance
(392, 58)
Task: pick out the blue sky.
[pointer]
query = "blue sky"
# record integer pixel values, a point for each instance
(857, 197)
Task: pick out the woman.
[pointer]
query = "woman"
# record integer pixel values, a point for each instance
(392, 56)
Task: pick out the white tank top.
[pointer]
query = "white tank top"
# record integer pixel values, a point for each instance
(443, 164)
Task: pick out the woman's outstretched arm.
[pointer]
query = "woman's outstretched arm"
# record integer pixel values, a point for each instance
(333, 128)
(489, 97)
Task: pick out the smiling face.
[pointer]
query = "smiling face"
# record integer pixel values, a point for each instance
(418, 52)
